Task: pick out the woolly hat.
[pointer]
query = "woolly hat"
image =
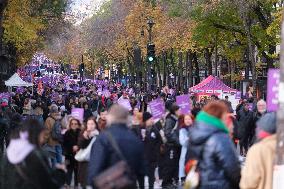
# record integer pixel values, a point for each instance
(53, 109)
(146, 116)
(267, 123)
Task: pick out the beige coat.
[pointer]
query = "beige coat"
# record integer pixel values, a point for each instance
(49, 124)
(258, 170)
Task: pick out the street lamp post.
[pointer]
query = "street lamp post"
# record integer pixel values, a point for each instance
(150, 23)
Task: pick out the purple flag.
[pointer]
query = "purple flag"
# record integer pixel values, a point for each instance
(272, 89)
(78, 113)
(238, 95)
(183, 102)
(157, 108)
(250, 106)
(125, 103)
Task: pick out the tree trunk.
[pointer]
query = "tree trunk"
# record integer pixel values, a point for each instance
(190, 68)
(216, 55)
(180, 70)
(207, 56)
(195, 61)
(164, 54)
(173, 70)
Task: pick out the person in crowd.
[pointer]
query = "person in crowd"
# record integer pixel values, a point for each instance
(185, 122)
(240, 105)
(86, 136)
(27, 108)
(211, 145)
(261, 111)
(258, 170)
(94, 105)
(102, 120)
(246, 127)
(38, 110)
(25, 165)
(137, 120)
(196, 109)
(172, 148)
(152, 141)
(87, 111)
(70, 146)
(53, 133)
(4, 124)
(103, 156)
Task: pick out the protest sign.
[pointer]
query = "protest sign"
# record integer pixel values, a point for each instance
(157, 108)
(183, 102)
(273, 89)
(125, 103)
(78, 113)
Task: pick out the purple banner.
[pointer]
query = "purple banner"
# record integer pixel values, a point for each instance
(78, 113)
(238, 95)
(157, 108)
(272, 89)
(183, 102)
(125, 103)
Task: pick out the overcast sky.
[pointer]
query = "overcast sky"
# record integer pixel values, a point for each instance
(85, 8)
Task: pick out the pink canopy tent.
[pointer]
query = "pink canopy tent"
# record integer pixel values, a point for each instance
(212, 85)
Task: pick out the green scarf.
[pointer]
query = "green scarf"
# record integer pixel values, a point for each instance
(211, 120)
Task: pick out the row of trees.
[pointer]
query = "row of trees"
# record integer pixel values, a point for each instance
(27, 25)
(226, 36)
(208, 35)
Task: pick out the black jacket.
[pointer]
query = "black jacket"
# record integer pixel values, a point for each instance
(218, 161)
(36, 174)
(70, 140)
(171, 134)
(246, 125)
(152, 143)
(103, 155)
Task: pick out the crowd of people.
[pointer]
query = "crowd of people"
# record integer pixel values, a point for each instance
(44, 147)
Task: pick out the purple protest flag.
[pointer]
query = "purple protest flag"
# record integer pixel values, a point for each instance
(273, 89)
(157, 108)
(183, 102)
(78, 113)
(125, 103)
(250, 106)
(238, 95)
(106, 93)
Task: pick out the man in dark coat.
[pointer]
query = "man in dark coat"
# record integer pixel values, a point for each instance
(246, 127)
(169, 170)
(103, 156)
(152, 142)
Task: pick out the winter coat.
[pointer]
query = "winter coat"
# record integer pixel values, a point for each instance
(49, 124)
(183, 140)
(70, 140)
(83, 166)
(103, 155)
(171, 131)
(246, 125)
(219, 166)
(152, 143)
(258, 170)
(87, 113)
(36, 174)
